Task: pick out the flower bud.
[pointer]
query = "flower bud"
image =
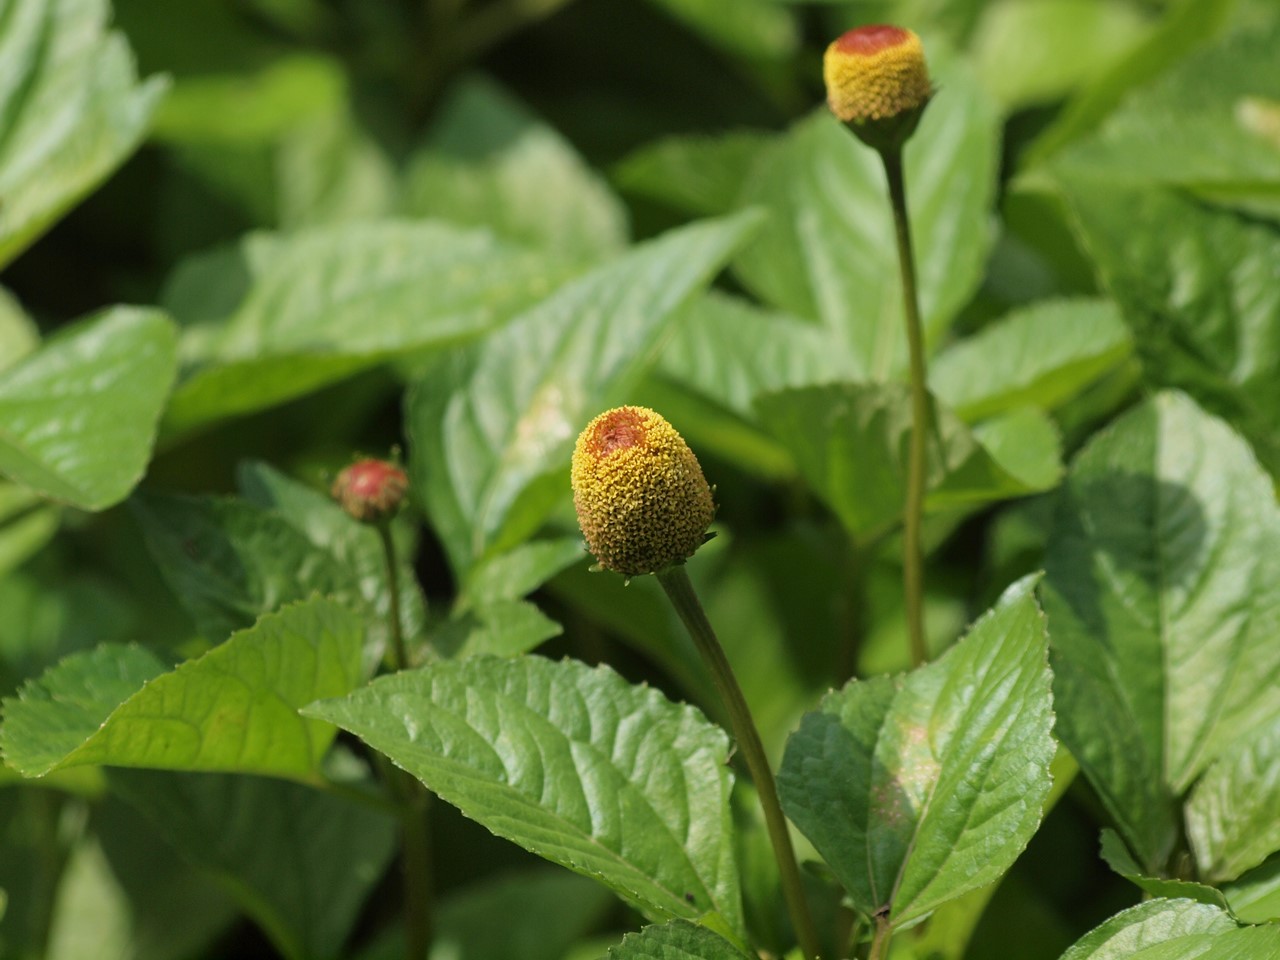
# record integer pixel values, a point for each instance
(642, 501)
(371, 491)
(877, 83)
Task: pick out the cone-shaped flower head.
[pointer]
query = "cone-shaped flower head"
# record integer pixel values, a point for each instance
(371, 490)
(641, 498)
(877, 80)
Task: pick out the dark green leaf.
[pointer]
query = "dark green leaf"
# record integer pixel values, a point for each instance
(1119, 859)
(756, 29)
(677, 940)
(918, 788)
(571, 762)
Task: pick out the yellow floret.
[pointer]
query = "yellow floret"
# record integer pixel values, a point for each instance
(874, 73)
(642, 501)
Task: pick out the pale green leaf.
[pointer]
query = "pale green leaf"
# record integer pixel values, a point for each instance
(1163, 590)
(1231, 813)
(677, 940)
(18, 333)
(571, 762)
(488, 162)
(90, 916)
(520, 571)
(78, 416)
(1043, 355)
(501, 628)
(491, 429)
(1249, 943)
(918, 788)
(71, 111)
(697, 174)
(233, 709)
(299, 861)
(1255, 897)
(1149, 924)
(828, 252)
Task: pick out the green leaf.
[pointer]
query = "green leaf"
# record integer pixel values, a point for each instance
(234, 709)
(299, 861)
(918, 788)
(1162, 585)
(1231, 813)
(279, 316)
(78, 416)
(71, 110)
(1154, 922)
(696, 174)
(850, 444)
(1119, 859)
(574, 764)
(757, 29)
(502, 628)
(677, 940)
(229, 561)
(27, 523)
(1255, 897)
(1043, 355)
(829, 252)
(19, 335)
(520, 571)
(491, 429)
(489, 162)
(1195, 284)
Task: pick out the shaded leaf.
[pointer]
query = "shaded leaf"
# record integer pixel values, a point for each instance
(1119, 859)
(502, 628)
(27, 523)
(697, 174)
(758, 29)
(520, 571)
(1255, 897)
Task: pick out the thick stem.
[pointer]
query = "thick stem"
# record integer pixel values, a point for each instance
(880, 939)
(675, 581)
(913, 508)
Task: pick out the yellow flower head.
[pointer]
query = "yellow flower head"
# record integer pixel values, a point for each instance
(875, 73)
(641, 498)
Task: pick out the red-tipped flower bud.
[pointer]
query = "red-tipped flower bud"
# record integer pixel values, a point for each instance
(877, 82)
(371, 490)
(641, 498)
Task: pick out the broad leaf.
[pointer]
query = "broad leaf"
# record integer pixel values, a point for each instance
(918, 788)
(71, 109)
(698, 175)
(829, 253)
(1119, 859)
(1163, 588)
(299, 861)
(1231, 813)
(1041, 355)
(78, 416)
(1255, 897)
(1149, 924)
(491, 429)
(677, 940)
(572, 763)
(280, 316)
(234, 709)
(850, 443)
(502, 628)
(517, 573)
(489, 162)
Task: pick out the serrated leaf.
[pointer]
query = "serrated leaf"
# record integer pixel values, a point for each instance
(828, 252)
(299, 861)
(677, 940)
(1041, 355)
(1150, 924)
(850, 444)
(490, 429)
(234, 709)
(71, 109)
(571, 762)
(229, 561)
(1163, 591)
(1118, 858)
(502, 628)
(280, 316)
(697, 174)
(1231, 813)
(78, 416)
(489, 162)
(918, 788)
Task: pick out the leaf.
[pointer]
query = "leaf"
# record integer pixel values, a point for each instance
(490, 430)
(918, 788)
(850, 444)
(677, 940)
(27, 523)
(520, 571)
(503, 628)
(229, 561)
(828, 253)
(71, 110)
(279, 316)
(299, 861)
(19, 335)
(1154, 922)
(1230, 814)
(1163, 591)
(758, 29)
(1196, 285)
(1043, 355)
(1119, 859)
(1255, 897)
(696, 174)
(78, 416)
(489, 162)
(574, 764)
(233, 709)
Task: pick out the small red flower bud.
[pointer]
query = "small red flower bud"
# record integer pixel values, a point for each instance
(877, 82)
(371, 491)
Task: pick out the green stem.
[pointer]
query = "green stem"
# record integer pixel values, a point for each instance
(913, 509)
(408, 793)
(675, 581)
(880, 939)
